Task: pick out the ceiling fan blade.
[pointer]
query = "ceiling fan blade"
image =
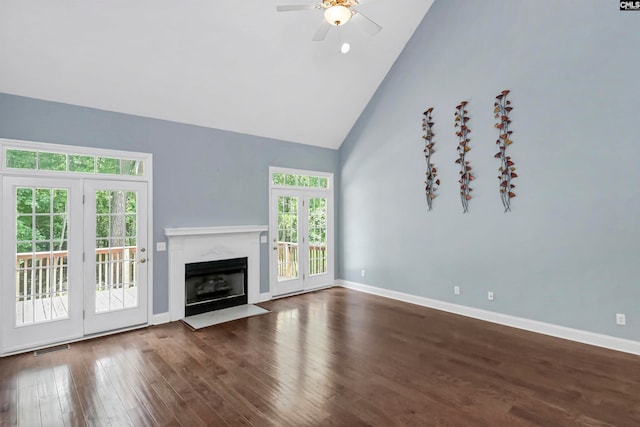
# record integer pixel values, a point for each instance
(294, 7)
(322, 31)
(367, 24)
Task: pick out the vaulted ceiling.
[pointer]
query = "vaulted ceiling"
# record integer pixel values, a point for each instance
(234, 65)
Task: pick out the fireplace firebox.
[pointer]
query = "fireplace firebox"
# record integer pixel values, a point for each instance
(214, 285)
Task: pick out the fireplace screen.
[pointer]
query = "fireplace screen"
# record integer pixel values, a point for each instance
(214, 285)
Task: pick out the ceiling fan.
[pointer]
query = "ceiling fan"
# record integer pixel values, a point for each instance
(336, 13)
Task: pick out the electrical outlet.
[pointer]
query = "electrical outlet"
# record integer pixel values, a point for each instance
(621, 319)
(456, 290)
(362, 272)
(490, 296)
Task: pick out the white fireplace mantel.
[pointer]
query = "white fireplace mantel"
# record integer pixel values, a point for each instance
(202, 231)
(199, 244)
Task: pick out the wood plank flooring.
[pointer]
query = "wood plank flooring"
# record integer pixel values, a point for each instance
(331, 358)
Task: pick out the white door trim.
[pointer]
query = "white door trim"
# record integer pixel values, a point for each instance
(71, 149)
(304, 193)
(17, 338)
(127, 317)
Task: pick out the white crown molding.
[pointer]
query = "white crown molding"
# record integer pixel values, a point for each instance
(577, 335)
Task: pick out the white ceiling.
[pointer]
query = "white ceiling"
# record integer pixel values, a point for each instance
(234, 65)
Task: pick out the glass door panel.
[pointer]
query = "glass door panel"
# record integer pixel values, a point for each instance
(116, 271)
(41, 258)
(116, 232)
(45, 296)
(286, 266)
(317, 219)
(288, 249)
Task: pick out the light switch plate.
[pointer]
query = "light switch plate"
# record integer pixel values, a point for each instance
(161, 246)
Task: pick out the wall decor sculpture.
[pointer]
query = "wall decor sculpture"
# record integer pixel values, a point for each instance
(431, 182)
(462, 131)
(502, 108)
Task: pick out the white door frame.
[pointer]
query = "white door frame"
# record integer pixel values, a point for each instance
(18, 338)
(127, 317)
(6, 172)
(295, 284)
(304, 193)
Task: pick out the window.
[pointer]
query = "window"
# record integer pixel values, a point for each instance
(296, 180)
(37, 160)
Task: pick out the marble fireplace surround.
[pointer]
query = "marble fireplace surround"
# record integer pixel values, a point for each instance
(199, 244)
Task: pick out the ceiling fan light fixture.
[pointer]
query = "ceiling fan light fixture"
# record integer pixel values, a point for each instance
(337, 15)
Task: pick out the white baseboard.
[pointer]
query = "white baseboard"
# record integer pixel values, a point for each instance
(160, 318)
(264, 297)
(585, 337)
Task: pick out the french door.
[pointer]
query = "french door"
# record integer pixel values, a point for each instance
(301, 241)
(42, 261)
(73, 254)
(115, 247)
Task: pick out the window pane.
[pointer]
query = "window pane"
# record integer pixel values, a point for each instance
(60, 226)
(43, 200)
(43, 227)
(278, 179)
(24, 227)
(59, 245)
(290, 179)
(324, 182)
(131, 202)
(43, 246)
(314, 181)
(78, 163)
(103, 201)
(102, 226)
(132, 167)
(23, 247)
(108, 165)
(60, 201)
(21, 159)
(24, 200)
(52, 162)
(131, 227)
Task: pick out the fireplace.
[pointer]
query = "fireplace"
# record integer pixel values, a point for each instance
(213, 285)
(193, 245)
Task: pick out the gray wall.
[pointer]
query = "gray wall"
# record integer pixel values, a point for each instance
(202, 177)
(568, 252)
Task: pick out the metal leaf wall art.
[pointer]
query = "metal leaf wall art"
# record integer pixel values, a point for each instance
(462, 132)
(431, 182)
(502, 108)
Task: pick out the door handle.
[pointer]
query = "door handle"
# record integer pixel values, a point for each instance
(275, 248)
(142, 261)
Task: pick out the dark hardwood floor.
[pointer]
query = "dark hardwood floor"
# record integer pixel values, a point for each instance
(330, 358)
